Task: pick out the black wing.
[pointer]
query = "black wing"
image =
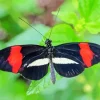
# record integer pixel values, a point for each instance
(35, 65)
(13, 59)
(84, 54)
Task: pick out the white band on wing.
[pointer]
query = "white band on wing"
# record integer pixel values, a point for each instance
(45, 61)
(39, 62)
(63, 61)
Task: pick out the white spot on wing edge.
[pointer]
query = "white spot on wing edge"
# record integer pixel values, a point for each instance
(63, 61)
(39, 62)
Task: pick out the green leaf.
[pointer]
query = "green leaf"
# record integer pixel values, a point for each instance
(89, 9)
(3, 11)
(93, 27)
(68, 17)
(62, 33)
(12, 29)
(28, 6)
(84, 15)
(2, 45)
(67, 12)
(40, 85)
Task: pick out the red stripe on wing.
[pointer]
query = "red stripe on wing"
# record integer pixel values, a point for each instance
(15, 58)
(86, 54)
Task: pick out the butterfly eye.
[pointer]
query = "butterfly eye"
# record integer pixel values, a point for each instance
(48, 43)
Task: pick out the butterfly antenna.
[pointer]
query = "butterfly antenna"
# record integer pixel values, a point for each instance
(55, 19)
(33, 28)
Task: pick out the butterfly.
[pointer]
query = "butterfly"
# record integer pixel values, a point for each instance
(32, 61)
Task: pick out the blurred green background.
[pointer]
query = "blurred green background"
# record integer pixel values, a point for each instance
(77, 20)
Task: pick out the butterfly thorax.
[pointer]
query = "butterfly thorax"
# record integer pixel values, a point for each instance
(50, 49)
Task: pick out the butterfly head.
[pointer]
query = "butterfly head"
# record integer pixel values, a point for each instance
(48, 43)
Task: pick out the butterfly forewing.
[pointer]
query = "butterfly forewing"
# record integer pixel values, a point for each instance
(11, 58)
(4, 65)
(67, 65)
(96, 53)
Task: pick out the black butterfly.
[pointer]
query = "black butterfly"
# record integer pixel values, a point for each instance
(32, 61)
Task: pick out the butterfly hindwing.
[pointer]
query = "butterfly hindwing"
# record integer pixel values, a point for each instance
(67, 65)
(35, 65)
(35, 73)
